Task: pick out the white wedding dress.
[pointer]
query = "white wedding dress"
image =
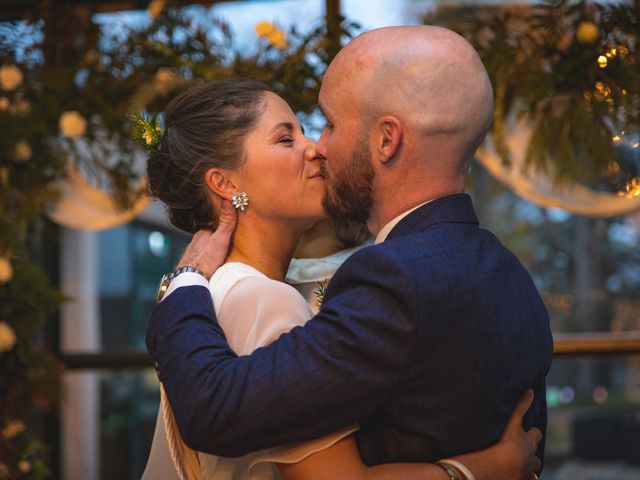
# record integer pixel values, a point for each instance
(253, 311)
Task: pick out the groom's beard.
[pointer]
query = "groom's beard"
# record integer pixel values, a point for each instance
(349, 193)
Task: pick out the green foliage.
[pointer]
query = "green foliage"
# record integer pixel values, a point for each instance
(543, 63)
(28, 372)
(104, 78)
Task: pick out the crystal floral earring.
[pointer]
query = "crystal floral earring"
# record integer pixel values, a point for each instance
(240, 201)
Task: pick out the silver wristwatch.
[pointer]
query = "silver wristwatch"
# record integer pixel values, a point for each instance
(168, 277)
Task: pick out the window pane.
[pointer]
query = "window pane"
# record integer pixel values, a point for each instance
(111, 278)
(107, 423)
(133, 258)
(594, 418)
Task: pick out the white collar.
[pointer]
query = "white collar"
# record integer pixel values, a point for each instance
(307, 270)
(384, 231)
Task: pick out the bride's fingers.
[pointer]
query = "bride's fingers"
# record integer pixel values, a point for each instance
(514, 427)
(535, 464)
(530, 446)
(535, 436)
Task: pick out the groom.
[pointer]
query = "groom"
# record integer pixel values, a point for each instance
(429, 337)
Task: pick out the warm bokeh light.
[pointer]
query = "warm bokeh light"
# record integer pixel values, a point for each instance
(602, 61)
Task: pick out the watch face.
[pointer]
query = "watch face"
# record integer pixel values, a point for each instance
(162, 287)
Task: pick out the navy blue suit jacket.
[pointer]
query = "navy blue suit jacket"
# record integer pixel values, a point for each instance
(427, 340)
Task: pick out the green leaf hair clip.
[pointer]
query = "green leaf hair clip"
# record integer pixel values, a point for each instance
(146, 130)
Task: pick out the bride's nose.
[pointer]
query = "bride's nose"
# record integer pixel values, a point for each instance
(310, 152)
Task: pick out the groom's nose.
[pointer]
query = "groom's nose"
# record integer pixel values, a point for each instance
(321, 144)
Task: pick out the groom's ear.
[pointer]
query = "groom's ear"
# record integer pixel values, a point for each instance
(220, 183)
(388, 132)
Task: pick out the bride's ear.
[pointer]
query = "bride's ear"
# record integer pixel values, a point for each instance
(220, 183)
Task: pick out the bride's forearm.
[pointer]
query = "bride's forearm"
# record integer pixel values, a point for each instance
(512, 458)
(389, 471)
(409, 471)
(493, 463)
(342, 462)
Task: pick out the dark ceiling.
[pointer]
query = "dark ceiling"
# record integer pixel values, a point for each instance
(28, 9)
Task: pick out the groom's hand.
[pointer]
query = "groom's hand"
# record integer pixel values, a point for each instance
(208, 250)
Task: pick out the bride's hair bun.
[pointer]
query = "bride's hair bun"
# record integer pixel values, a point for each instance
(205, 127)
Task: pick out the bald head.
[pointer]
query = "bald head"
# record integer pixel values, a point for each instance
(428, 77)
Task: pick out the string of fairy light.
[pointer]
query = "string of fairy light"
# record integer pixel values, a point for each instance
(631, 188)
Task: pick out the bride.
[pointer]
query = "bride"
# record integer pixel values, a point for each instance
(221, 140)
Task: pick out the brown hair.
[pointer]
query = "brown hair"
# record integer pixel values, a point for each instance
(349, 232)
(205, 127)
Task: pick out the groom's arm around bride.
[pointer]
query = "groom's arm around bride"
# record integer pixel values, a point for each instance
(425, 378)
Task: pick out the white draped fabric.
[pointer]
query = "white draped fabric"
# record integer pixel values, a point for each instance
(538, 187)
(85, 207)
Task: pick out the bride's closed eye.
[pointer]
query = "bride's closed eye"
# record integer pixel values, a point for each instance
(287, 139)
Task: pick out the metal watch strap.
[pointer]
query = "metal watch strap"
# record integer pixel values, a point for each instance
(168, 277)
(453, 474)
(186, 269)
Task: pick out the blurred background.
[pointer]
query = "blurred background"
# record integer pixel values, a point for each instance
(82, 248)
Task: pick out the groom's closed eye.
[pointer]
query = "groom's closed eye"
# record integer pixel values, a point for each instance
(327, 123)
